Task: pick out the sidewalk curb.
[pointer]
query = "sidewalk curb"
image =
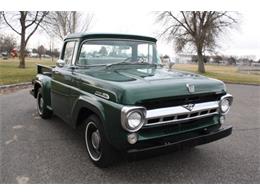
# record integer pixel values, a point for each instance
(238, 83)
(14, 87)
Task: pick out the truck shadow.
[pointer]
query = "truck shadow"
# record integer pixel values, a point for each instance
(164, 168)
(158, 168)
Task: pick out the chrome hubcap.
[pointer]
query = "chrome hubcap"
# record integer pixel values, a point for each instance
(93, 141)
(41, 103)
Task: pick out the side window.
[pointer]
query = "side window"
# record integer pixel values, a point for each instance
(68, 52)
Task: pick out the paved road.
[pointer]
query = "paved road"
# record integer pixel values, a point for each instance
(47, 151)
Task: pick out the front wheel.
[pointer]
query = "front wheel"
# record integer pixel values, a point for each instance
(99, 150)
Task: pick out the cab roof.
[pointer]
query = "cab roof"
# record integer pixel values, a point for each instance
(109, 35)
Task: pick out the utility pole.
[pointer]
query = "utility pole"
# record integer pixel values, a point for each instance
(51, 48)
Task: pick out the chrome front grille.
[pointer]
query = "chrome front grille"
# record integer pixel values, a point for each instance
(178, 101)
(179, 114)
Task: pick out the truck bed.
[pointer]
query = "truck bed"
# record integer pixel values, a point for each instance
(45, 70)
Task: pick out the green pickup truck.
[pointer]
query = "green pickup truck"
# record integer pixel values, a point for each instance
(113, 87)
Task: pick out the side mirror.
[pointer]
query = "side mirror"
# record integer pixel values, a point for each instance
(171, 64)
(60, 63)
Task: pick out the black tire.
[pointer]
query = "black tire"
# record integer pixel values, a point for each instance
(101, 153)
(42, 109)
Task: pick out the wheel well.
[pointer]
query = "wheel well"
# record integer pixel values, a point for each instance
(37, 86)
(83, 114)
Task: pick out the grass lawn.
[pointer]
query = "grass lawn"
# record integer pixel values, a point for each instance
(10, 73)
(228, 74)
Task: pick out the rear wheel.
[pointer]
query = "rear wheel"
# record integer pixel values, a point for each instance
(43, 111)
(99, 150)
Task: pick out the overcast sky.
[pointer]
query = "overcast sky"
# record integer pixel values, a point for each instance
(242, 41)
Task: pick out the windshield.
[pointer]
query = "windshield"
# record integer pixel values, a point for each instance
(105, 52)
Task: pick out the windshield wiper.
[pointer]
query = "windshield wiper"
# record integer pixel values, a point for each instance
(132, 63)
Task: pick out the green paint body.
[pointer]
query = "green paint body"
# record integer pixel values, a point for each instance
(67, 91)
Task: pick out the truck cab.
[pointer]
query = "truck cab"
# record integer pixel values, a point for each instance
(114, 88)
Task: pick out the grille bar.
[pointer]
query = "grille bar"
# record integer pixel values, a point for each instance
(179, 114)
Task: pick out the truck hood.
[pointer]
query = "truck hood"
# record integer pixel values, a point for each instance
(131, 85)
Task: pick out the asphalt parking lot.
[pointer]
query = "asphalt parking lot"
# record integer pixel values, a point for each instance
(48, 151)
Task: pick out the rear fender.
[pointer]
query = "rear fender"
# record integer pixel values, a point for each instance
(45, 83)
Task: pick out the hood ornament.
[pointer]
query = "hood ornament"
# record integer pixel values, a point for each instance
(189, 106)
(191, 88)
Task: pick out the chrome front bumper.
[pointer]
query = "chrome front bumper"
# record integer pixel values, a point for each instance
(182, 113)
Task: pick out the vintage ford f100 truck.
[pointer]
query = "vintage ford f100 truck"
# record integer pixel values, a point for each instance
(114, 87)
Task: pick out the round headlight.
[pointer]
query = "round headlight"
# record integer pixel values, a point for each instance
(224, 105)
(134, 119)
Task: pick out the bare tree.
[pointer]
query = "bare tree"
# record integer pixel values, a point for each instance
(196, 30)
(7, 43)
(41, 50)
(25, 24)
(62, 23)
(1, 19)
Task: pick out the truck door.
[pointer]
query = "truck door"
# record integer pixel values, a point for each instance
(62, 83)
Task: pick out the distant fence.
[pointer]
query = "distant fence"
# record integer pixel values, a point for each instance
(253, 68)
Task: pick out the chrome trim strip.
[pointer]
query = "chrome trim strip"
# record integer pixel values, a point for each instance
(228, 96)
(161, 113)
(84, 92)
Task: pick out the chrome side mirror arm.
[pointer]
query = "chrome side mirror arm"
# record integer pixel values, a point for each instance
(60, 63)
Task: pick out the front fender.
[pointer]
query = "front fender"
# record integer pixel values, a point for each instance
(89, 103)
(109, 114)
